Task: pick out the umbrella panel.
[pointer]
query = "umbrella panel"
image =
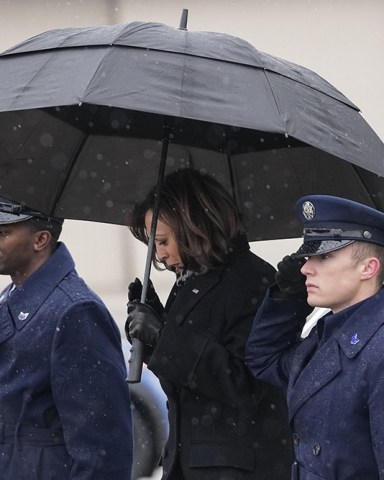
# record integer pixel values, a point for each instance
(95, 163)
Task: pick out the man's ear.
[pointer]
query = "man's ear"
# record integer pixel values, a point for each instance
(371, 267)
(42, 240)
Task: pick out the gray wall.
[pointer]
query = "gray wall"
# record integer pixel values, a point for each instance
(342, 40)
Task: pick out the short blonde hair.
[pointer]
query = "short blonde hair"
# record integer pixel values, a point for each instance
(364, 250)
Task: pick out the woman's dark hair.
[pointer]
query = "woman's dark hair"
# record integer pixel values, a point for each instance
(201, 214)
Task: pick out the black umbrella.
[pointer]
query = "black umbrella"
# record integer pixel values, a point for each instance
(87, 113)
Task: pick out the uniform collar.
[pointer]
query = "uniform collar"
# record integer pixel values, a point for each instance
(330, 323)
(30, 295)
(354, 326)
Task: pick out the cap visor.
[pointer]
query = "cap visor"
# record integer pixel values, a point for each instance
(9, 218)
(309, 249)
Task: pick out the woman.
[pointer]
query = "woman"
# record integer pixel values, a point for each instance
(224, 424)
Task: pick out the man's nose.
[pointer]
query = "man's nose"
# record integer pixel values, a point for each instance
(306, 268)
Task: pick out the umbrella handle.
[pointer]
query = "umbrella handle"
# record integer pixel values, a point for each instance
(135, 361)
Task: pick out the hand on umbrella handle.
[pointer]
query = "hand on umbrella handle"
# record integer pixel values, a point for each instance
(143, 325)
(135, 289)
(136, 359)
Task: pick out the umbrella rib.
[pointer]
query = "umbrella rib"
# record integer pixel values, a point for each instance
(232, 182)
(357, 169)
(276, 102)
(67, 174)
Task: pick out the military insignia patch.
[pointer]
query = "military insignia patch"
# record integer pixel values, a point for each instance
(308, 210)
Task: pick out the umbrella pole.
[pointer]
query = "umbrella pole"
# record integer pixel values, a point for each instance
(137, 350)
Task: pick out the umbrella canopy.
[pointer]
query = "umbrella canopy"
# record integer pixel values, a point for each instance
(83, 113)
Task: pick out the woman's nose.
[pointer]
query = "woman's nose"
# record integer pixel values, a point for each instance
(161, 253)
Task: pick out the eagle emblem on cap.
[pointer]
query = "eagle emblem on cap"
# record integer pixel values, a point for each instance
(308, 210)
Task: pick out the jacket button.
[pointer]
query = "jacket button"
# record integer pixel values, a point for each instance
(296, 438)
(316, 449)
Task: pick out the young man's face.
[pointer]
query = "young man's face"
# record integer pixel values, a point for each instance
(334, 279)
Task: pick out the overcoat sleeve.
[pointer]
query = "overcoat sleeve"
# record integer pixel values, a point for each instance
(273, 339)
(91, 394)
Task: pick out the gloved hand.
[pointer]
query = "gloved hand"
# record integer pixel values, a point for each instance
(134, 293)
(289, 279)
(143, 323)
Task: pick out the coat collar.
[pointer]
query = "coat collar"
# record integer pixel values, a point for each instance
(182, 301)
(354, 333)
(194, 289)
(361, 325)
(319, 371)
(28, 297)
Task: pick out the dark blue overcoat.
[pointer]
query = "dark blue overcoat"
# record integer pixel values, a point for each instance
(336, 396)
(64, 402)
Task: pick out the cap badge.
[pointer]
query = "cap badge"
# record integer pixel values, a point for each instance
(354, 339)
(308, 210)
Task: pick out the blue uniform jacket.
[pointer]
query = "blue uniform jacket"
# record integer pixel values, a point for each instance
(64, 402)
(335, 397)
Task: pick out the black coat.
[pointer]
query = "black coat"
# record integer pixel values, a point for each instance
(224, 424)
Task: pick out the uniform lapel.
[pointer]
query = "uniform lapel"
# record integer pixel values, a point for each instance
(27, 299)
(7, 327)
(321, 369)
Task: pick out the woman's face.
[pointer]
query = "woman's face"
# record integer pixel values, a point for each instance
(166, 246)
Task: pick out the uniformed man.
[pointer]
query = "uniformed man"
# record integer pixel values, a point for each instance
(64, 402)
(334, 377)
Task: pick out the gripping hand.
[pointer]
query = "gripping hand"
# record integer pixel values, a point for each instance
(134, 294)
(143, 323)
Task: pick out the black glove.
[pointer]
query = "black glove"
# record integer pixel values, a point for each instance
(289, 279)
(134, 293)
(143, 323)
